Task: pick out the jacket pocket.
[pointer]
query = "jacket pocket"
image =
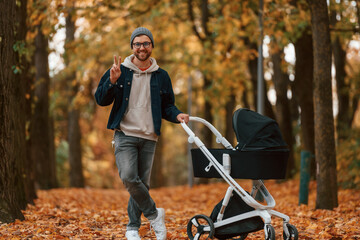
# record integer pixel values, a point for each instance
(120, 84)
(164, 95)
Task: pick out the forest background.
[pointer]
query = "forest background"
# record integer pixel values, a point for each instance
(210, 49)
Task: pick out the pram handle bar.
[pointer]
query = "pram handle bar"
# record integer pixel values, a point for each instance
(220, 169)
(219, 137)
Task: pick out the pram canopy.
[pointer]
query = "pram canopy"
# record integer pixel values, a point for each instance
(256, 132)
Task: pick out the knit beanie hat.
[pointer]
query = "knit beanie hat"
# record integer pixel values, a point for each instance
(141, 31)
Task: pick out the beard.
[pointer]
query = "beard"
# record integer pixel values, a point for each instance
(142, 55)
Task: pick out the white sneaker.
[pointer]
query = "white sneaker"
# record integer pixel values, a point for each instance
(132, 235)
(158, 224)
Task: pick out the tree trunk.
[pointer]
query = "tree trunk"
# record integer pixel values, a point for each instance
(74, 133)
(324, 122)
(205, 38)
(303, 91)
(76, 173)
(283, 113)
(12, 109)
(343, 118)
(30, 190)
(40, 129)
(244, 98)
(30, 169)
(208, 135)
(229, 108)
(52, 157)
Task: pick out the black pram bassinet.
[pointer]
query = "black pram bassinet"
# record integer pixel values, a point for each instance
(261, 152)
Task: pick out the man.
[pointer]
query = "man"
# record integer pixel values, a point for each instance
(142, 94)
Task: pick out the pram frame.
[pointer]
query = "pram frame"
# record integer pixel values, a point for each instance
(263, 211)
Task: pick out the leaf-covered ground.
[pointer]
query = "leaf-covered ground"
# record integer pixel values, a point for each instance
(101, 214)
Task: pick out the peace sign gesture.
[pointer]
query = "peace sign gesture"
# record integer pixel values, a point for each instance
(115, 70)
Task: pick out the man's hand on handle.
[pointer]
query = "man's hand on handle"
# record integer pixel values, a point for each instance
(115, 70)
(182, 117)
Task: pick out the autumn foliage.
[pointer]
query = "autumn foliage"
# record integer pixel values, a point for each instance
(102, 214)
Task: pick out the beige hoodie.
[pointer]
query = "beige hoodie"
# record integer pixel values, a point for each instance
(138, 121)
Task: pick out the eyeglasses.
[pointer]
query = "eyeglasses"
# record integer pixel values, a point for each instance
(138, 45)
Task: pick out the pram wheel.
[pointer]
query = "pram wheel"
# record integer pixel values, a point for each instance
(270, 230)
(200, 227)
(294, 235)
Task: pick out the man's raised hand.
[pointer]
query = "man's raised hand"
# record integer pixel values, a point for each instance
(115, 70)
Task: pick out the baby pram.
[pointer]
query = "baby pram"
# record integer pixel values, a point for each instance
(260, 154)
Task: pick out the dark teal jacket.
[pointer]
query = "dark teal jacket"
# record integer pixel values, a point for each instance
(161, 92)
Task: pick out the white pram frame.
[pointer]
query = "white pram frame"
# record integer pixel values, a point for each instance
(265, 211)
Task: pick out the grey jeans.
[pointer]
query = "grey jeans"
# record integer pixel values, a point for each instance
(134, 159)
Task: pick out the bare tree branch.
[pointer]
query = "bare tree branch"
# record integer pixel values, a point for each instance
(358, 12)
(354, 29)
(205, 17)
(192, 18)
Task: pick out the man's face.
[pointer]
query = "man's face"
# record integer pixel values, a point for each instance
(142, 53)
